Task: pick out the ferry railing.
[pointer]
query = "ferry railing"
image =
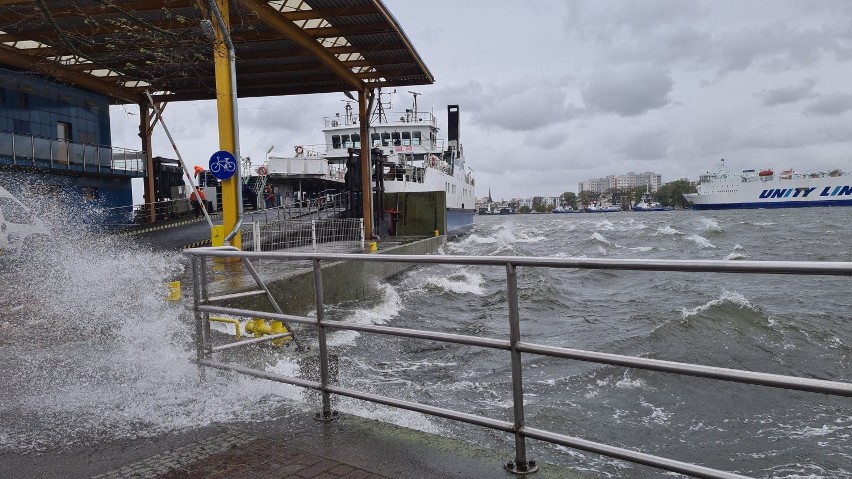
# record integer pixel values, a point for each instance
(204, 305)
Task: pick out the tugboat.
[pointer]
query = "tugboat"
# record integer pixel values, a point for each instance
(647, 204)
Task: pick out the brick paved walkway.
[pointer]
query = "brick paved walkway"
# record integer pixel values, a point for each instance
(238, 456)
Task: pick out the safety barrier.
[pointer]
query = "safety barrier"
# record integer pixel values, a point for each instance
(204, 305)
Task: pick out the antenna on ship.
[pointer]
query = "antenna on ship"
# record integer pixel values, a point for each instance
(414, 106)
(347, 118)
(379, 116)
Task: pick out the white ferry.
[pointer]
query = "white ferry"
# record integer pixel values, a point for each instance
(415, 159)
(767, 188)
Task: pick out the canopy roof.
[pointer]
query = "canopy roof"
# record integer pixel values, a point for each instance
(122, 48)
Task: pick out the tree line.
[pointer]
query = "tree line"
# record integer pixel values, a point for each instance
(670, 194)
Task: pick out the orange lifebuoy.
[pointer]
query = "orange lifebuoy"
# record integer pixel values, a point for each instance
(299, 150)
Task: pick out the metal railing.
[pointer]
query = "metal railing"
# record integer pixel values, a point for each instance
(31, 150)
(204, 305)
(341, 235)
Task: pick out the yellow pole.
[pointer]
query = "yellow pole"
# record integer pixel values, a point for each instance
(145, 134)
(227, 133)
(366, 180)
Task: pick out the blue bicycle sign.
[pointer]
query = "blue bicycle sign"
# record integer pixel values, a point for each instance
(223, 165)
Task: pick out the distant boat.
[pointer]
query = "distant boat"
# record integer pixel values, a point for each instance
(647, 204)
(722, 189)
(602, 208)
(567, 209)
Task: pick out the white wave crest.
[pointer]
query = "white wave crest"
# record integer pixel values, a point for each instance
(710, 225)
(700, 241)
(463, 282)
(668, 231)
(600, 238)
(727, 296)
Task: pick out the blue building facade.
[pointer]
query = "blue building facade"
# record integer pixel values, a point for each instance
(55, 142)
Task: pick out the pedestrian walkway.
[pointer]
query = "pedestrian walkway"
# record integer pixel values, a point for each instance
(295, 446)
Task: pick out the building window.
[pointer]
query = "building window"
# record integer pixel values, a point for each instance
(23, 100)
(2, 96)
(21, 126)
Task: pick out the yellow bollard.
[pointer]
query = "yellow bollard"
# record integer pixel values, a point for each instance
(373, 247)
(437, 233)
(174, 291)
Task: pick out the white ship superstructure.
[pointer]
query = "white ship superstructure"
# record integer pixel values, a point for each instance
(415, 159)
(722, 189)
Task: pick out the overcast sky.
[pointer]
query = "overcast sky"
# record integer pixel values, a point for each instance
(555, 92)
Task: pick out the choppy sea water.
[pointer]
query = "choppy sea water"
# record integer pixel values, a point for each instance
(792, 325)
(98, 336)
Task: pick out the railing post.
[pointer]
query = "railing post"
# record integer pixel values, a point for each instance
(326, 414)
(197, 295)
(520, 465)
(255, 227)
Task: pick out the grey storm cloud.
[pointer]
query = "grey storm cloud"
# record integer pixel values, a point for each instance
(833, 104)
(628, 90)
(781, 96)
(646, 145)
(515, 107)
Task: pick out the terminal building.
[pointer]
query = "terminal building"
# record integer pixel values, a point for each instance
(55, 146)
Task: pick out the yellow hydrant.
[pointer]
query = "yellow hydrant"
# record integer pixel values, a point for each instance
(260, 327)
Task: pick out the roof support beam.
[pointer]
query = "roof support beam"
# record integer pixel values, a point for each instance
(11, 56)
(287, 28)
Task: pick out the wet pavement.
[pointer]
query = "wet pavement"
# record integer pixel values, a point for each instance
(295, 446)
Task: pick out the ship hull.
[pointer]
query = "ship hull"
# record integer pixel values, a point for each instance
(792, 193)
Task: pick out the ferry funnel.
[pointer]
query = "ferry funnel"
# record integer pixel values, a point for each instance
(452, 123)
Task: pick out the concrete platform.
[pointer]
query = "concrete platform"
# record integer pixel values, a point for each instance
(292, 447)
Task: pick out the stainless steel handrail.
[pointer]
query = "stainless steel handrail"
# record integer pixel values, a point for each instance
(204, 305)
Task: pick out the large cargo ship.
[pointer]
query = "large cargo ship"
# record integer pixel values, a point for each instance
(723, 189)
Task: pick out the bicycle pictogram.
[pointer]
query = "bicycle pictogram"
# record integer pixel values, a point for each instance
(223, 165)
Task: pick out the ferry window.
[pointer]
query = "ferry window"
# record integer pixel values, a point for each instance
(2, 96)
(356, 139)
(385, 139)
(23, 100)
(346, 142)
(415, 138)
(335, 141)
(395, 137)
(374, 137)
(406, 138)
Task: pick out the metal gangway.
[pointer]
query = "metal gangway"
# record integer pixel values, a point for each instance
(204, 305)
